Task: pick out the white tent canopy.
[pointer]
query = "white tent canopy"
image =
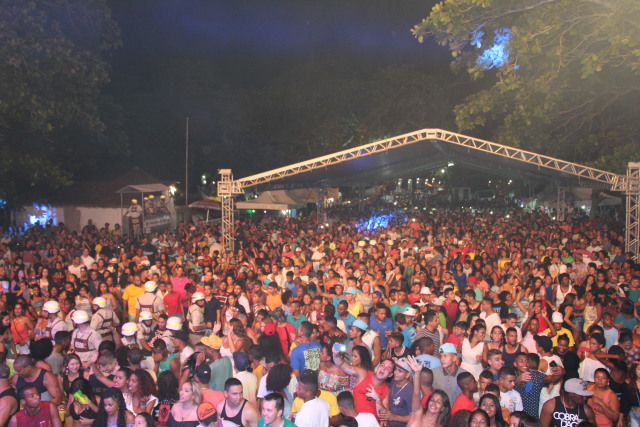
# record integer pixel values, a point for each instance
(577, 197)
(285, 199)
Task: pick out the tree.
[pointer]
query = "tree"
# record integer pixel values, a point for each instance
(51, 104)
(561, 76)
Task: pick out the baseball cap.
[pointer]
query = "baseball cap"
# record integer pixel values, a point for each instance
(351, 290)
(404, 364)
(321, 315)
(448, 348)
(203, 373)
(425, 291)
(577, 386)
(207, 414)
(496, 289)
(437, 301)
(270, 329)
(241, 360)
(557, 317)
(212, 341)
(409, 311)
(360, 324)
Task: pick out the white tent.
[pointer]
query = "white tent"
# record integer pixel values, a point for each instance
(575, 196)
(286, 199)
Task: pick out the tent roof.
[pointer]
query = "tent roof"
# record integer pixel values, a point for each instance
(272, 200)
(143, 188)
(428, 149)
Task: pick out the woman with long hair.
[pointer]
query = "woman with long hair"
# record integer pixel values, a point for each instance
(112, 411)
(168, 395)
(22, 328)
(437, 413)
(185, 412)
(141, 396)
(490, 404)
(330, 377)
(463, 311)
(78, 409)
(472, 350)
(592, 310)
(71, 371)
(479, 418)
(496, 341)
(360, 356)
(236, 340)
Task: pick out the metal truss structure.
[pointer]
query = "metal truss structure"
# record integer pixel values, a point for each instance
(561, 206)
(632, 191)
(630, 184)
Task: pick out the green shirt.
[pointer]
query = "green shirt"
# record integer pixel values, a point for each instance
(221, 371)
(287, 423)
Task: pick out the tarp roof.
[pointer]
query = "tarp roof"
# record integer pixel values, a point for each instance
(143, 188)
(426, 150)
(272, 200)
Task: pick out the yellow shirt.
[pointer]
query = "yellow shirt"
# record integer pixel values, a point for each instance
(328, 397)
(561, 331)
(356, 309)
(131, 294)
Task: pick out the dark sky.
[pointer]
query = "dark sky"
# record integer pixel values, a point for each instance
(170, 48)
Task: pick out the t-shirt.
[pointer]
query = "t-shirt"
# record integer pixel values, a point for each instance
(314, 413)
(172, 301)
(287, 423)
(296, 322)
(329, 397)
(511, 400)
(221, 371)
(400, 401)
(212, 396)
(463, 402)
(530, 393)
(381, 328)
(561, 331)
(306, 356)
(629, 323)
(367, 419)
(131, 294)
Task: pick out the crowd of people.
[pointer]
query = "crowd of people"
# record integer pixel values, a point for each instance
(449, 318)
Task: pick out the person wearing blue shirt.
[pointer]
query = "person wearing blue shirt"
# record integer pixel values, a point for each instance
(305, 355)
(343, 314)
(291, 285)
(381, 324)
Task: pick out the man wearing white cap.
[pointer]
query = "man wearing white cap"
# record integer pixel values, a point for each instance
(55, 323)
(557, 319)
(195, 317)
(149, 301)
(84, 340)
(570, 408)
(134, 212)
(103, 319)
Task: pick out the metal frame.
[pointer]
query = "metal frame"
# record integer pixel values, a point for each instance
(561, 205)
(227, 187)
(632, 191)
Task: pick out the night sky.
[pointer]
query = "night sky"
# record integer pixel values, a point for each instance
(176, 53)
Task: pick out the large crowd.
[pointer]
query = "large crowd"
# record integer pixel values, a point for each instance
(443, 319)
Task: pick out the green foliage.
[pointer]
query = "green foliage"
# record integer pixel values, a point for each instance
(570, 86)
(53, 72)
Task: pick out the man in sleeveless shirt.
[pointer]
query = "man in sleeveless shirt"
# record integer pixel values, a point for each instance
(9, 404)
(27, 374)
(234, 408)
(570, 408)
(35, 412)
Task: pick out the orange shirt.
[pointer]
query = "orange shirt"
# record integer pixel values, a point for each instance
(274, 301)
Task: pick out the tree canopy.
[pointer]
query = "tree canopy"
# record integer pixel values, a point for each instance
(560, 76)
(54, 119)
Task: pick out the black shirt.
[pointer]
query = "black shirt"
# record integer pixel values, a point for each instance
(211, 308)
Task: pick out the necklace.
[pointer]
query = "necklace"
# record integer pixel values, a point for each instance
(401, 388)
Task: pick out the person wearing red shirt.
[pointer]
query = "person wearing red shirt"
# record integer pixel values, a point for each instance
(35, 413)
(172, 302)
(468, 385)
